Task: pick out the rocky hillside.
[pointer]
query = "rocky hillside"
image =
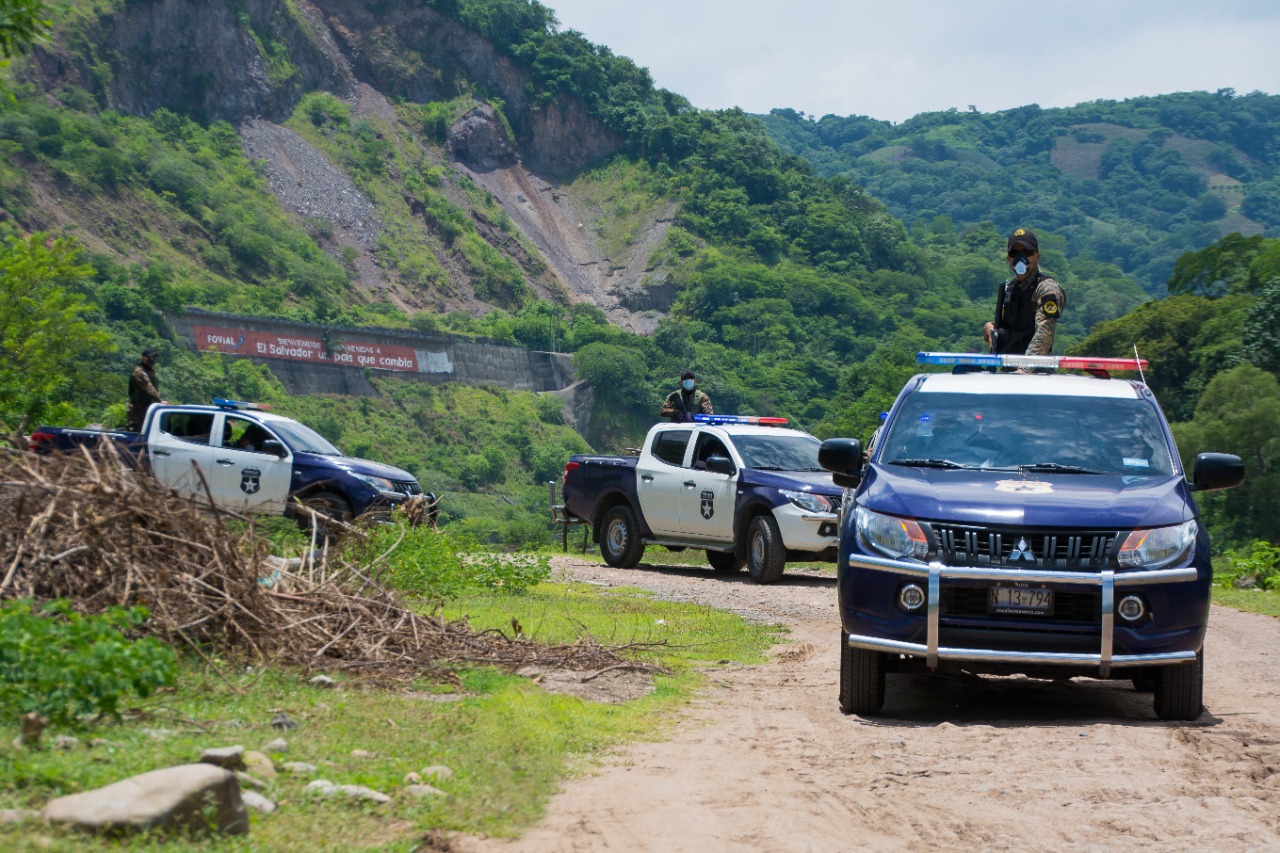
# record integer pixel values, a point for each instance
(411, 224)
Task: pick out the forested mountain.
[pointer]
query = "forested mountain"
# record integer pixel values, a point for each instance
(466, 166)
(1135, 183)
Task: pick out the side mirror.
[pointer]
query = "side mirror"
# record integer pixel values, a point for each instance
(274, 447)
(720, 464)
(843, 458)
(1217, 471)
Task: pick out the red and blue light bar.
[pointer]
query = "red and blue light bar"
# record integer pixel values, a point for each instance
(1033, 362)
(752, 420)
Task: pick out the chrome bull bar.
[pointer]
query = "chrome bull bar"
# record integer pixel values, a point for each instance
(935, 573)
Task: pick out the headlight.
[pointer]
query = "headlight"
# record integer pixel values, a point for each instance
(808, 500)
(1157, 547)
(382, 484)
(896, 537)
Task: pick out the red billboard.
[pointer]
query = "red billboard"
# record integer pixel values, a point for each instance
(300, 347)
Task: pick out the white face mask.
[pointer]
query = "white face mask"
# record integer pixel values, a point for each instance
(687, 384)
(1020, 267)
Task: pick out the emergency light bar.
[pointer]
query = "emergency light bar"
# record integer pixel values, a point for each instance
(1033, 362)
(721, 420)
(239, 404)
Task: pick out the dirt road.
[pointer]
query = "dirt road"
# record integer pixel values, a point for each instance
(765, 761)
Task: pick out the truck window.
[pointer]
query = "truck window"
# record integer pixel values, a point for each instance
(708, 446)
(243, 434)
(1104, 435)
(779, 452)
(669, 445)
(188, 426)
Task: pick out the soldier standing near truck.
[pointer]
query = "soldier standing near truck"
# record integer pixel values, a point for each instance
(682, 404)
(144, 389)
(1029, 304)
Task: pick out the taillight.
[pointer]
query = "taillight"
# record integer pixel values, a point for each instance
(569, 466)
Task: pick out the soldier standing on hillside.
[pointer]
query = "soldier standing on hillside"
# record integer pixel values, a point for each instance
(144, 389)
(1029, 304)
(681, 405)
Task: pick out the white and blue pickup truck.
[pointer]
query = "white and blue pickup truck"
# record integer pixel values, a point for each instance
(248, 460)
(747, 490)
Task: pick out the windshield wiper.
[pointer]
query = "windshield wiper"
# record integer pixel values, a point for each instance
(1058, 468)
(928, 463)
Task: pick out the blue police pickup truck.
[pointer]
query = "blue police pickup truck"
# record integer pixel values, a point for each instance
(249, 460)
(1024, 521)
(747, 490)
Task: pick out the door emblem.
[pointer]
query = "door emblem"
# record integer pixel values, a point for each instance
(708, 504)
(250, 480)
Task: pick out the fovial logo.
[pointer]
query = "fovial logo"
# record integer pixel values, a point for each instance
(1022, 551)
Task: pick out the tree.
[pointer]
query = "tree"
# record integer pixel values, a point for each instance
(22, 24)
(46, 347)
(1237, 414)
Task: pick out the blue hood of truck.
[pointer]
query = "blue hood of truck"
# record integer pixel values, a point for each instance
(818, 482)
(1044, 500)
(357, 466)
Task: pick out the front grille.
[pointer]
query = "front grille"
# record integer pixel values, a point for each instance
(1068, 606)
(408, 488)
(835, 503)
(1066, 550)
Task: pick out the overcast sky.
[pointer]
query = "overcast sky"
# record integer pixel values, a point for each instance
(893, 60)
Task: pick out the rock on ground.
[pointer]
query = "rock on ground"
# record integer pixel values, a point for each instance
(194, 797)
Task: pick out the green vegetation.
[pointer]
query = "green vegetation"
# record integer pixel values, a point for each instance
(432, 565)
(1135, 183)
(509, 743)
(64, 666)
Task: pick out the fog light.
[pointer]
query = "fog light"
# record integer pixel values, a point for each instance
(911, 597)
(1131, 608)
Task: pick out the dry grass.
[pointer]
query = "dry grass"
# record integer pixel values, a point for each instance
(90, 529)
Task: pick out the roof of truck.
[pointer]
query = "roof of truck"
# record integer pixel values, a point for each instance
(1030, 384)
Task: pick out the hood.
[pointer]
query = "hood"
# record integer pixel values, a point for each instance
(361, 466)
(1003, 498)
(818, 482)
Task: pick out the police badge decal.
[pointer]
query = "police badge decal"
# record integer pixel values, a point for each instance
(708, 504)
(250, 480)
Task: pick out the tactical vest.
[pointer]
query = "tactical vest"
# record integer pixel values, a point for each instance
(1016, 315)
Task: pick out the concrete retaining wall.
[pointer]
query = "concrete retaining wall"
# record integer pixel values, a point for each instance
(335, 360)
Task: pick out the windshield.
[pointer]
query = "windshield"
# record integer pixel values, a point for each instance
(304, 439)
(1070, 435)
(778, 452)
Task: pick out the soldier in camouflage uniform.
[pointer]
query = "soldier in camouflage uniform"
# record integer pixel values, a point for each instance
(683, 404)
(144, 389)
(1029, 304)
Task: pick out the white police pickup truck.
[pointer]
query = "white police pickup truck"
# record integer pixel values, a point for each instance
(747, 490)
(249, 460)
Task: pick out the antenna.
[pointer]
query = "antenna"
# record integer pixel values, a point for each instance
(1141, 375)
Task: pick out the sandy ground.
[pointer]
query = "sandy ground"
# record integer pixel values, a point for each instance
(765, 761)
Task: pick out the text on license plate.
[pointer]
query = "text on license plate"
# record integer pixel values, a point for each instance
(1018, 599)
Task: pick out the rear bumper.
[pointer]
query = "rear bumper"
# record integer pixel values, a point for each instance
(1104, 660)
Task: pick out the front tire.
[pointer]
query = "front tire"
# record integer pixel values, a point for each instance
(620, 538)
(1179, 693)
(861, 680)
(766, 556)
(324, 504)
(725, 562)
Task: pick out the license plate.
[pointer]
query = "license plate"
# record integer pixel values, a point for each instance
(1021, 600)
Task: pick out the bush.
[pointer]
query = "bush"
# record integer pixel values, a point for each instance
(436, 565)
(1257, 566)
(57, 663)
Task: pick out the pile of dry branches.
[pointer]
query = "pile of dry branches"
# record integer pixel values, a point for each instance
(89, 529)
